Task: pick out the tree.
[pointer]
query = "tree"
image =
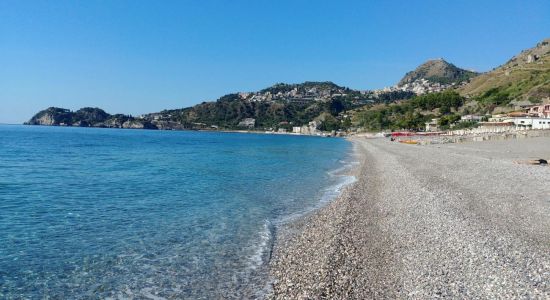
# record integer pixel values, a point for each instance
(329, 123)
(336, 106)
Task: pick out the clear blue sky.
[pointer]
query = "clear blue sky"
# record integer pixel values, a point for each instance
(144, 56)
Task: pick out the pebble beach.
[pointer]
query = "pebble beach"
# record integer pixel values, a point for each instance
(455, 221)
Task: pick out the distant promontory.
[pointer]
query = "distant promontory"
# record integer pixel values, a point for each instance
(87, 117)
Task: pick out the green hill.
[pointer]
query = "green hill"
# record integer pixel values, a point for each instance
(411, 114)
(279, 106)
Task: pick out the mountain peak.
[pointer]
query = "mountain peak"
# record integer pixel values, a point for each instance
(437, 71)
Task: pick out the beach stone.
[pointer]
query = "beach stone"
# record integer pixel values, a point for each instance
(445, 221)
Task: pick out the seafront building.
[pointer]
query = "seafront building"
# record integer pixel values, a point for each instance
(535, 117)
(527, 123)
(531, 118)
(514, 124)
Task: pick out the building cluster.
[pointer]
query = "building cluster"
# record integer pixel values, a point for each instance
(532, 117)
(419, 87)
(423, 86)
(295, 95)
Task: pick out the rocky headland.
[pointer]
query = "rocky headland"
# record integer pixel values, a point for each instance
(87, 117)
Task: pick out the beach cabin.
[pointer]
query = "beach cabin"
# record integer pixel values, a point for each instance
(494, 127)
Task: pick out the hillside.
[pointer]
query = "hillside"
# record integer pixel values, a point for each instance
(437, 71)
(522, 81)
(524, 77)
(325, 87)
(411, 114)
(279, 106)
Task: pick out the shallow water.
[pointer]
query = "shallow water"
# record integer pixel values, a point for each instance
(99, 213)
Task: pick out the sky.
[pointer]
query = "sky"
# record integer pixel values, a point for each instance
(135, 57)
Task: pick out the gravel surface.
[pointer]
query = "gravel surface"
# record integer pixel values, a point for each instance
(453, 221)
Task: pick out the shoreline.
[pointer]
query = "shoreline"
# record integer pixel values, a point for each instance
(293, 229)
(263, 132)
(419, 223)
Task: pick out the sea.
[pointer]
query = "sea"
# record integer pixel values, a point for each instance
(89, 213)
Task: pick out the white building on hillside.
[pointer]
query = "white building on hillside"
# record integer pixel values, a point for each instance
(471, 118)
(247, 122)
(432, 126)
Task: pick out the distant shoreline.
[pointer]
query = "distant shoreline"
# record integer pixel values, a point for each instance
(190, 130)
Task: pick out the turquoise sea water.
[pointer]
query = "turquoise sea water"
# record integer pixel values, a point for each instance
(107, 213)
